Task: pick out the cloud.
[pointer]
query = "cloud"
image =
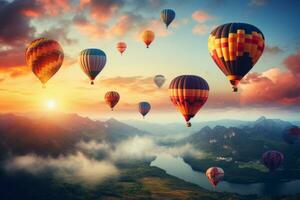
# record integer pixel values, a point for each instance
(258, 2)
(201, 29)
(272, 87)
(72, 168)
(293, 62)
(55, 7)
(60, 33)
(273, 50)
(103, 10)
(201, 16)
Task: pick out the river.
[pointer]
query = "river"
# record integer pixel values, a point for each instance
(176, 166)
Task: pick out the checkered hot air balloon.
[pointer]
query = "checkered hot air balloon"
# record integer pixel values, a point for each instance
(215, 175)
(235, 48)
(272, 159)
(144, 108)
(121, 46)
(188, 93)
(111, 99)
(44, 57)
(92, 61)
(167, 16)
(148, 37)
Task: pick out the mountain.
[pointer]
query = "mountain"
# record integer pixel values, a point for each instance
(239, 149)
(57, 134)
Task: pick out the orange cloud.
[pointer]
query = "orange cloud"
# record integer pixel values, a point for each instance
(201, 16)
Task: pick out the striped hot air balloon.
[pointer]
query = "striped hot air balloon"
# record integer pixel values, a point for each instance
(148, 37)
(111, 99)
(167, 16)
(121, 46)
(144, 108)
(188, 93)
(215, 175)
(235, 48)
(159, 80)
(45, 57)
(272, 159)
(92, 61)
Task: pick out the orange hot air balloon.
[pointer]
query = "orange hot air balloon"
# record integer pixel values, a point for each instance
(235, 48)
(121, 46)
(215, 175)
(111, 99)
(188, 93)
(45, 57)
(148, 37)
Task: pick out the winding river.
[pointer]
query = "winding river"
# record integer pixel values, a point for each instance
(175, 166)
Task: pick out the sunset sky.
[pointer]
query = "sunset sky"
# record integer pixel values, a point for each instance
(271, 89)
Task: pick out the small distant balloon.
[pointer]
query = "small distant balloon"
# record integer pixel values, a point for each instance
(111, 99)
(159, 80)
(121, 46)
(92, 61)
(215, 175)
(144, 108)
(148, 37)
(44, 57)
(291, 135)
(167, 16)
(188, 93)
(272, 159)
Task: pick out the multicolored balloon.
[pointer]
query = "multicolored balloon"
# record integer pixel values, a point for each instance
(144, 108)
(111, 99)
(44, 57)
(215, 175)
(121, 46)
(167, 16)
(148, 37)
(272, 159)
(235, 48)
(159, 80)
(92, 61)
(188, 93)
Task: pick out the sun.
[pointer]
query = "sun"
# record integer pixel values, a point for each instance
(51, 104)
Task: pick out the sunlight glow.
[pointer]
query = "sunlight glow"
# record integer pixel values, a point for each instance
(51, 104)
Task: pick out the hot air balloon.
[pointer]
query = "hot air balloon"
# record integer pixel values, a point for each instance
(45, 57)
(159, 80)
(148, 37)
(111, 99)
(121, 46)
(144, 108)
(235, 48)
(215, 175)
(92, 61)
(291, 135)
(188, 93)
(167, 16)
(272, 159)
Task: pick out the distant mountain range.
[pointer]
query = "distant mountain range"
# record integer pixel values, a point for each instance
(181, 129)
(57, 134)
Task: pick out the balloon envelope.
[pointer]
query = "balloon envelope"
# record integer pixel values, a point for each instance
(215, 175)
(272, 159)
(111, 99)
(92, 61)
(44, 57)
(235, 48)
(148, 37)
(159, 80)
(167, 16)
(144, 108)
(291, 134)
(121, 46)
(188, 93)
